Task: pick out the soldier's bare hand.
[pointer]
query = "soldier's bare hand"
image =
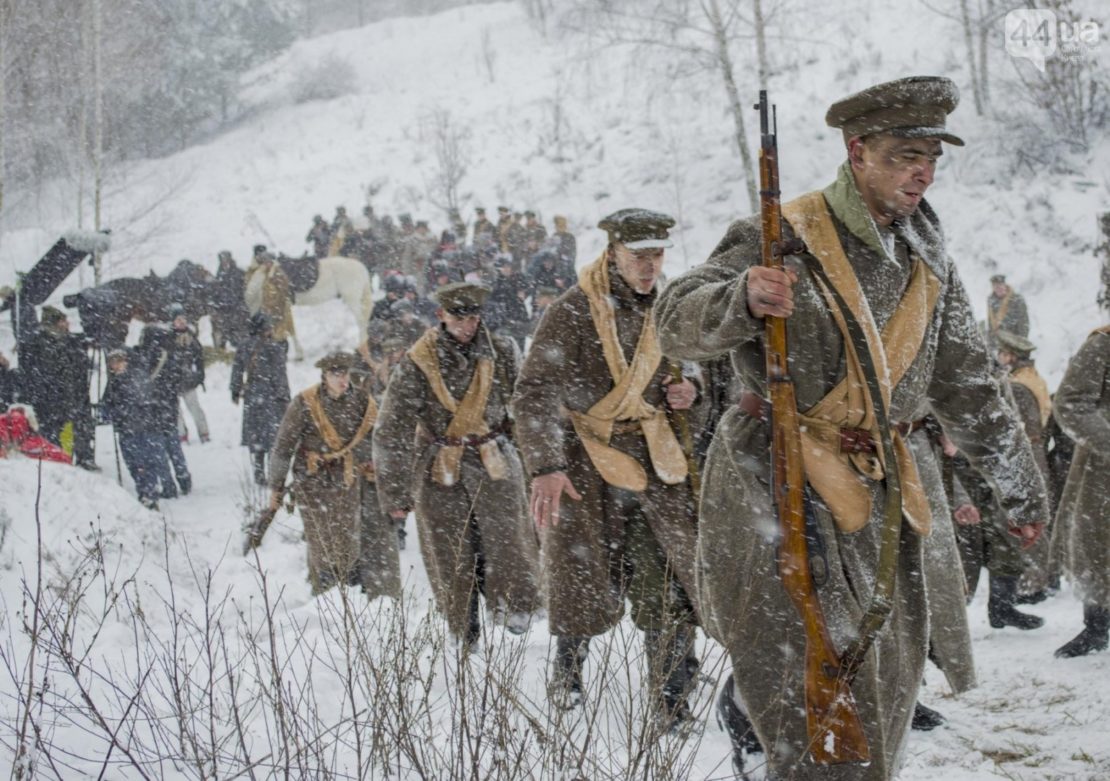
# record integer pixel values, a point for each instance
(547, 491)
(1028, 534)
(771, 291)
(967, 515)
(680, 395)
(398, 515)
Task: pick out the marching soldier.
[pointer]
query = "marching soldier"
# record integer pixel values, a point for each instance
(1083, 409)
(610, 493)
(1006, 309)
(875, 257)
(325, 435)
(1034, 406)
(267, 290)
(482, 225)
(443, 449)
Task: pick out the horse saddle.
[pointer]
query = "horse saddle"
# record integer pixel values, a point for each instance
(303, 272)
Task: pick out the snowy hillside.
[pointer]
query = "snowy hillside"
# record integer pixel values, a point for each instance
(553, 129)
(167, 598)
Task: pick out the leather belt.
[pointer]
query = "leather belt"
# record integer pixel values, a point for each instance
(852, 440)
(626, 426)
(471, 440)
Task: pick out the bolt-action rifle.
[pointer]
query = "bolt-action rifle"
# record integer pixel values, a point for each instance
(832, 720)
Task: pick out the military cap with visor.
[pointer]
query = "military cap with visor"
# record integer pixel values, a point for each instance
(339, 360)
(913, 107)
(51, 315)
(638, 228)
(998, 279)
(1018, 345)
(462, 299)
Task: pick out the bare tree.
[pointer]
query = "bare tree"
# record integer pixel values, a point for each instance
(701, 33)
(451, 144)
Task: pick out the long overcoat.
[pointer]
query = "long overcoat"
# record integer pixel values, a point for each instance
(259, 378)
(1082, 406)
(330, 505)
(704, 313)
(566, 370)
(475, 516)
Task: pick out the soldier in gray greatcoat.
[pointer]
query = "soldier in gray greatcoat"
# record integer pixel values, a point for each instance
(874, 234)
(1082, 406)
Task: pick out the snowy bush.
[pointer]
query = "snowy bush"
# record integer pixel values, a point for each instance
(329, 78)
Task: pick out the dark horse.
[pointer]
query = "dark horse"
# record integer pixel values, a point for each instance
(106, 311)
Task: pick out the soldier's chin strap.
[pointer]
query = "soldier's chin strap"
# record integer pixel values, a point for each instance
(882, 596)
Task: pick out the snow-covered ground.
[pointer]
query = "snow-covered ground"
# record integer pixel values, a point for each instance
(628, 136)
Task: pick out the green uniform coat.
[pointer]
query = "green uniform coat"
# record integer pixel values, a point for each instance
(584, 553)
(703, 314)
(1082, 406)
(477, 515)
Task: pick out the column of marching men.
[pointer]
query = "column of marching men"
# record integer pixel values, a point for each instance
(545, 424)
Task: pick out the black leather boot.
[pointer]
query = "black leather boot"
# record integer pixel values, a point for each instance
(925, 719)
(1094, 637)
(1000, 606)
(258, 464)
(669, 679)
(735, 723)
(564, 689)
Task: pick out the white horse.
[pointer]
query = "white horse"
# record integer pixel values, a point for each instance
(340, 278)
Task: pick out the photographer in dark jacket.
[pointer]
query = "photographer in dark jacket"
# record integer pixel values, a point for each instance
(54, 379)
(128, 404)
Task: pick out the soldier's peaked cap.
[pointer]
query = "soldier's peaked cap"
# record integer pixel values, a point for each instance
(913, 107)
(336, 360)
(1018, 345)
(462, 298)
(638, 228)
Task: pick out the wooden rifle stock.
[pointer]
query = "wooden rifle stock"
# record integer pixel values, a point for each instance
(257, 529)
(832, 720)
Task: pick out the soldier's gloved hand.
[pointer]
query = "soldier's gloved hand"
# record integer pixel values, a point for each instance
(1028, 534)
(234, 398)
(275, 500)
(680, 395)
(547, 490)
(771, 291)
(967, 515)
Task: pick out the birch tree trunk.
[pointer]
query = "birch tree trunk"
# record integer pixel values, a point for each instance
(972, 65)
(760, 43)
(724, 62)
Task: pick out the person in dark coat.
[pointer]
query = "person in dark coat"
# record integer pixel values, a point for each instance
(159, 357)
(188, 352)
(229, 308)
(565, 245)
(9, 382)
(259, 378)
(320, 236)
(128, 404)
(505, 312)
(54, 378)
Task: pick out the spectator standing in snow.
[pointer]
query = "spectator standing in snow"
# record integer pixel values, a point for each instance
(259, 378)
(54, 370)
(874, 236)
(189, 354)
(229, 307)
